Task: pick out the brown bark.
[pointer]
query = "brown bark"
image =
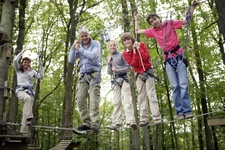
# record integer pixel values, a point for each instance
(202, 89)
(68, 74)
(13, 105)
(221, 14)
(7, 22)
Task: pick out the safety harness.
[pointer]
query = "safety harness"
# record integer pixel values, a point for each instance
(174, 60)
(114, 81)
(28, 89)
(86, 74)
(146, 74)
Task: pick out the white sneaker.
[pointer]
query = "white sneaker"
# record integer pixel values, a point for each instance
(114, 127)
(180, 117)
(157, 121)
(188, 115)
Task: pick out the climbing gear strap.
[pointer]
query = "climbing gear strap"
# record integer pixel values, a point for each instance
(8, 88)
(175, 61)
(86, 74)
(28, 89)
(114, 81)
(172, 51)
(145, 75)
(188, 19)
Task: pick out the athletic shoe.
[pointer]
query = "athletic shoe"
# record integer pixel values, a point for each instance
(83, 128)
(115, 127)
(143, 124)
(28, 121)
(133, 126)
(188, 115)
(157, 121)
(180, 117)
(94, 127)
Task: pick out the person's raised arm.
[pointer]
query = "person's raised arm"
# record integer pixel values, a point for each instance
(137, 27)
(16, 60)
(193, 6)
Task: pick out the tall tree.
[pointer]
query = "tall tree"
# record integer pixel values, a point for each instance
(13, 105)
(221, 23)
(221, 14)
(7, 23)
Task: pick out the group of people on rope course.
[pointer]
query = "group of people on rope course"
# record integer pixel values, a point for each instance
(135, 55)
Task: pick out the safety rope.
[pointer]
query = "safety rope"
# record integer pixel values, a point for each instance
(40, 56)
(2, 123)
(196, 116)
(8, 88)
(188, 19)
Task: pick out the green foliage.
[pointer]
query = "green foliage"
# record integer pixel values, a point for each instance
(47, 30)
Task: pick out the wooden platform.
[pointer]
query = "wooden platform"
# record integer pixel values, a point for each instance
(32, 147)
(11, 142)
(216, 121)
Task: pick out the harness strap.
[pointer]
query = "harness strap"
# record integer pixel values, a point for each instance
(174, 62)
(114, 82)
(172, 51)
(147, 74)
(28, 89)
(90, 73)
(8, 88)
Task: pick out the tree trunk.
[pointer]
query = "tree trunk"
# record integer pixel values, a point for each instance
(135, 136)
(202, 89)
(221, 14)
(7, 23)
(13, 104)
(126, 21)
(67, 114)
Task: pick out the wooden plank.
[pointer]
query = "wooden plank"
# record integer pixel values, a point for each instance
(14, 138)
(62, 145)
(216, 121)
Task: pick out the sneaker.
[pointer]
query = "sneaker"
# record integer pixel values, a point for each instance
(115, 127)
(83, 128)
(24, 133)
(188, 115)
(143, 124)
(94, 127)
(133, 126)
(180, 117)
(157, 121)
(28, 121)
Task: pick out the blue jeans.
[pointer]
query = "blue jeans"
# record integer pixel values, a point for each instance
(179, 84)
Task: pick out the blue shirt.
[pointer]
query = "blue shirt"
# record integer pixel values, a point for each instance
(89, 56)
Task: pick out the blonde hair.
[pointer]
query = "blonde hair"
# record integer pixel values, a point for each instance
(113, 41)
